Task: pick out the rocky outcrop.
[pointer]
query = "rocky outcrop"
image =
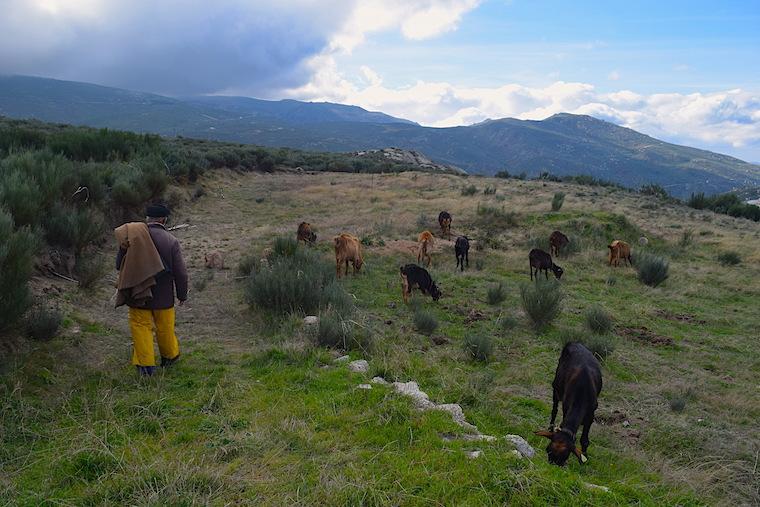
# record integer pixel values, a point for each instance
(410, 158)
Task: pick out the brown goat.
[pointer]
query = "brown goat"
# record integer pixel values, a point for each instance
(619, 250)
(557, 241)
(305, 233)
(444, 220)
(425, 245)
(214, 260)
(348, 249)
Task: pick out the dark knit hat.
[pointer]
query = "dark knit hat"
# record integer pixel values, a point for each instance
(157, 211)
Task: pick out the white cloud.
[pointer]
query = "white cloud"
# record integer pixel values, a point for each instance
(417, 19)
(719, 119)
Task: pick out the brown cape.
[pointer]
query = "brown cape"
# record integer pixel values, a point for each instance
(140, 265)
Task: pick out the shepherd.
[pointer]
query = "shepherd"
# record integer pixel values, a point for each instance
(151, 270)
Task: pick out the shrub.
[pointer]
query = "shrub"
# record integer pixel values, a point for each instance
(496, 294)
(480, 264)
(332, 331)
(507, 322)
(495, 220)
(284, 246)
(43, 322)
(729, 258)
(489, 190)
(424, 321)
(73, 228)
(687, 238)
(302, 282)
(652, 269)
(677, 403)
(478, 346)
(599, 345)
(17, 251)
(557, 201)
(88, 270)
(611, 281)
(248, 264)
(602, 345)
(598, 320)
(542, 302)
(469, 190)
(423, 221)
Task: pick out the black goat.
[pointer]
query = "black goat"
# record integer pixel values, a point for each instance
(462, 251)
(542, 261)
(557, 241)
(412, 275)
(577, 382)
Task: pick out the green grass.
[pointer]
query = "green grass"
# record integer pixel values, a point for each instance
(255, 413)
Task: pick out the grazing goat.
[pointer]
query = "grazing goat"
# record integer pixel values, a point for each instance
(542, 261)
(444, 220)
(412, 275)
(214, 260)
(462, 251)
(619, 250)
(348, 249)
(557, 241)
(423, 248)
(305, 233)
(577, 383)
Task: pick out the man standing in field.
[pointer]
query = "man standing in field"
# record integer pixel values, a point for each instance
(151, 269)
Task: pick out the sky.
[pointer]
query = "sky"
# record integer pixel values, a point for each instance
(683, 71)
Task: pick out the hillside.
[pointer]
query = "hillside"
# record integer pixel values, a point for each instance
(257, 413)
(562, 144)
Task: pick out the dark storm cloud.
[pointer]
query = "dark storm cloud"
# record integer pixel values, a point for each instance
(172, 47)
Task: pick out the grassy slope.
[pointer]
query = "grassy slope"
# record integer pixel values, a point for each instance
(253, 413)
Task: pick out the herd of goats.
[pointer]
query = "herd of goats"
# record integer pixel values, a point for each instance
(578, 378)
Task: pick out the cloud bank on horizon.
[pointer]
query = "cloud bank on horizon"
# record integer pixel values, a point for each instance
(320, 51)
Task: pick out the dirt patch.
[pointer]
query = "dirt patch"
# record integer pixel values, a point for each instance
(440, 340)
(642, 334)
(679, 317)
(608, 419)
(474, 315)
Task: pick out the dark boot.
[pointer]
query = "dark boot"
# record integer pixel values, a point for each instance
(166, 362)
(146, 371)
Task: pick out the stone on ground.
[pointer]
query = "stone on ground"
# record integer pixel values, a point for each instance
(359, 366)
(522, 445)
(310, 320)
(364, 386)
(341, 359)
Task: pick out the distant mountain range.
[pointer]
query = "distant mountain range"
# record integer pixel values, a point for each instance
(563, 144)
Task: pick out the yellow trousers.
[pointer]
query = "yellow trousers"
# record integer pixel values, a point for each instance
(142, 323)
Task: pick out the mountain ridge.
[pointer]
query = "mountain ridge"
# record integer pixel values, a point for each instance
(563, 144)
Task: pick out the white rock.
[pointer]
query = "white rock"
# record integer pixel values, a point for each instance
(412, 390)
(310, 320)
(626, 423)
(341, 359)
(522, 445)
(474, 454)
(364, 386)
(379, 380)
(477, 437)
(359, 366)
(516, 453)
(596, 487)
(457, 414)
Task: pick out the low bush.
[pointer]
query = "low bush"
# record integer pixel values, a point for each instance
(478, 346)
(686, 239)
(730, 258)
(17, 251)
(43, 322)
(652, 269)
(489, 190)
(557, 201)
(248, 264)
(424, 321)
(542, 302)
(469, 190)
(507, 322)
(480, 263)
(284, 246)
(88, 270)
(601, 345)
(301, 282)
(494, 220)
(496, 294)
(598, 320)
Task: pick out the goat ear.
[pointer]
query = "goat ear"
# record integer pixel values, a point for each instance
(544, 433)
(581, 458)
